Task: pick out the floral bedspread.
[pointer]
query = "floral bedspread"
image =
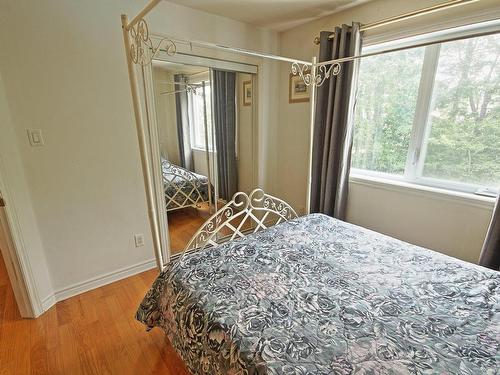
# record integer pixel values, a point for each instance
(318, 296)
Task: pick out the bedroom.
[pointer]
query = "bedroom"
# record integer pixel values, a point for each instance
(75, 203)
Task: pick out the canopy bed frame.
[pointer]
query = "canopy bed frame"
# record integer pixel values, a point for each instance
(312, 294)
(140, 51)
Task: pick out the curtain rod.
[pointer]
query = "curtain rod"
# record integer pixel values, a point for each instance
(396, 49)
(409, 15)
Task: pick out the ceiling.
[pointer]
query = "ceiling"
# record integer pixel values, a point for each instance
(279, 15)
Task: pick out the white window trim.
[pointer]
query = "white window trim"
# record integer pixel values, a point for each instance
(405, 187)
(204, 77)
(469, 25)
(202, 150)
(420, 129)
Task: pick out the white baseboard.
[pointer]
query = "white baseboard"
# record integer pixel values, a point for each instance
(47, 303)
(96, 282)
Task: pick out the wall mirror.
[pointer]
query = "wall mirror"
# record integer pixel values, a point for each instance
(204, 113)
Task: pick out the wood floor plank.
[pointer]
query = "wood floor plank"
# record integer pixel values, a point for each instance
(38, 348)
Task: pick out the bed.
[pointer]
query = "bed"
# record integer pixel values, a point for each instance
(315, 295)
(182, 187)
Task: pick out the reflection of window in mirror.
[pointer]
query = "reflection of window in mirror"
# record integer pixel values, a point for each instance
(198, 133)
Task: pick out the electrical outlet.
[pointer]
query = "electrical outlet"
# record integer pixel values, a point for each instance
(139, 239)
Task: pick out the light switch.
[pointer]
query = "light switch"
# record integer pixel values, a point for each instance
(35, 137)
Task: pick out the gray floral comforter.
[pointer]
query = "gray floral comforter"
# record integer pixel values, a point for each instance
(318, 296)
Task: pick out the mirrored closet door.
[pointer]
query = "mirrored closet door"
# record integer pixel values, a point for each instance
(204, 118)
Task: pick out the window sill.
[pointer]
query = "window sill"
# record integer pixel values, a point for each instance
(201, 150)
(424, 191)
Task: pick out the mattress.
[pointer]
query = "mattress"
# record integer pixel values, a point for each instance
(318, 296)
(182, 187)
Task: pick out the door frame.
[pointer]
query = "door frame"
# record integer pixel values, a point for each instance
(15, 255)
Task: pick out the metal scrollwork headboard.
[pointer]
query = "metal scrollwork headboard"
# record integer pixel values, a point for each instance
(242, 215)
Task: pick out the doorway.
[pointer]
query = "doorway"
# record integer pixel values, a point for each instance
(11, 280)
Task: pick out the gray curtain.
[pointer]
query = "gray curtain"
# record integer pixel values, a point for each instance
(332, 141)
(490, 254)
(183, 123)
(224, 94)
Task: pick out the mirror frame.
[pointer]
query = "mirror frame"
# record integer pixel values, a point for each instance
(149, 112)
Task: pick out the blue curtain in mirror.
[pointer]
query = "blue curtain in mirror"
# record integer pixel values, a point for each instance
(224, 115)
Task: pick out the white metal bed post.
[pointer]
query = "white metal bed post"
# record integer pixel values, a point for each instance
(311, 131)
(207, 153)
(153, 218)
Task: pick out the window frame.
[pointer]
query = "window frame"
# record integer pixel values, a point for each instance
(421, 129)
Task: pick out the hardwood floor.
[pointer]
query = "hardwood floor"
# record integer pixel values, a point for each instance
(92, 333)
(183, 223)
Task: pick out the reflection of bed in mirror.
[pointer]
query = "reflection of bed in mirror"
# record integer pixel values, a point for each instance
(184, 188)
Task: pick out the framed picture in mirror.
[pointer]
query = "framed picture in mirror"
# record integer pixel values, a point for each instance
(247, 93)
(298, 90)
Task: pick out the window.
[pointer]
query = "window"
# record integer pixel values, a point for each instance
(198, 133)
(431, 115)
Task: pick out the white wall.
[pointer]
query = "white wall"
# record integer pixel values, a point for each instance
(64, 72)
(245, 139)
(452, 226)
(14, 189)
